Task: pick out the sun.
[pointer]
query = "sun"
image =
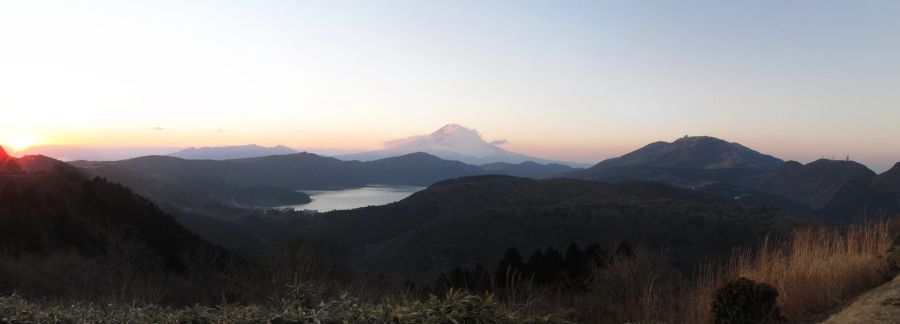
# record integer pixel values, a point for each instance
(20, 142)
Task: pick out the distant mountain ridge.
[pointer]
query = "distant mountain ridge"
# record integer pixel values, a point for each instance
(231, 152)
(267, 181)
(77, 152)
(452, 142)
(823, 188)
(867, 196)
(698, 152)
(889, 181)
(274, 180)
(815, 183)
(686, 162)
(527, 169)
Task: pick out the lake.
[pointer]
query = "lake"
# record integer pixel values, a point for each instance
(374, 195)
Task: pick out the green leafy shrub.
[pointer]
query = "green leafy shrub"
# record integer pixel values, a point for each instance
(744, 301)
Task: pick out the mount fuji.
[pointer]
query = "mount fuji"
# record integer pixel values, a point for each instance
(452, 142)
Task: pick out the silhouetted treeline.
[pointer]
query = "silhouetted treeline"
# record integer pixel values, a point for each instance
(568, 270)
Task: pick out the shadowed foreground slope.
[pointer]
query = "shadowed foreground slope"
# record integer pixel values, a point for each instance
(473, 220)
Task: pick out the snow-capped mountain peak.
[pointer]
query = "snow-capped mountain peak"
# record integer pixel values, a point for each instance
(451, 138)
(451, 142)
(451, 129)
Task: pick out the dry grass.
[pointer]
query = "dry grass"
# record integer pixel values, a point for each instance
(818, 269)
(815, 270)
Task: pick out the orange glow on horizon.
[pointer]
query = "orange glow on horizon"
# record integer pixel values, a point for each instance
(20, 142)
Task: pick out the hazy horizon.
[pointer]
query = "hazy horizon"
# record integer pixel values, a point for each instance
(125, 152)
(579, 81)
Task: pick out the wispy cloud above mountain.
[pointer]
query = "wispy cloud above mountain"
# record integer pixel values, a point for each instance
(452, 142)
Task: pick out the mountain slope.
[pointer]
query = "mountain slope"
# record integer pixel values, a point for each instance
(267, 181)
(78, 152)
(192, 183)
(867, 197)
(378, 223)
(815, 183)
(527, 169)
(8, 165)
(888, 181)
(699, 152)
(451, 142)
(471, 220)
(231, 152)
(59, 211)
(686, 162)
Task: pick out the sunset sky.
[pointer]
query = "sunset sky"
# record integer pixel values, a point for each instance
(567, 80)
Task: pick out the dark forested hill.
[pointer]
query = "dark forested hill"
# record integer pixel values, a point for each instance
(202, 194)
(470, 220)
(378, 223)
(267, 181)
(837, 190)
(274, 180)
(866, 196)
(815, 183)
(686, 162)
(8, 165)
(54, 209)
(821, 189)
(527, 169)
(889, 181)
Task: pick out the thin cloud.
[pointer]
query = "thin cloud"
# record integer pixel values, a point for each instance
(499, 142)
(157, 128)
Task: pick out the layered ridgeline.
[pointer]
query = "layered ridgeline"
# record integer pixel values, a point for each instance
(267, 181)
(275, 180)
(836, 190)
(453, 142)
(231, 152)
(823, 188)
(473, 220)
(56, 223)
(867, 196)
(257, 176)
(888, 181)
(815, 183)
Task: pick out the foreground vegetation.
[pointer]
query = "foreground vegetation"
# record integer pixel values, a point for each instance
(805, 275)
(810, 272)
(454, 307)
(291, 285)
(817, 269)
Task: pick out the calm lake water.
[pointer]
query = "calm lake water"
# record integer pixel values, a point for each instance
(328, 200)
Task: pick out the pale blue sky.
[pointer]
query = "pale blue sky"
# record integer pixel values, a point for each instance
(576, 80)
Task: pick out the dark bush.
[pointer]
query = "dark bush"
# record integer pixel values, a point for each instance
(744, 301)
(893, 256)
(510, 268)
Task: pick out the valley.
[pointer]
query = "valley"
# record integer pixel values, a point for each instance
(689, 203)
(449, 162)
